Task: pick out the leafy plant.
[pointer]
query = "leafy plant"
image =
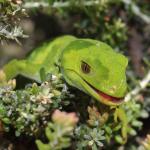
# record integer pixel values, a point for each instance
(59, 131)
(11, 13)
(29, 110)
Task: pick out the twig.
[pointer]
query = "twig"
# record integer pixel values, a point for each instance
(35, 4)
(12, 33)
(142, 84)
(56, 4)
(135, 9)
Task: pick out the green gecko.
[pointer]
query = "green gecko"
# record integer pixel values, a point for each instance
(89, 65)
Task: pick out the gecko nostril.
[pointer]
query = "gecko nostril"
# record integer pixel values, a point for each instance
(112, 89)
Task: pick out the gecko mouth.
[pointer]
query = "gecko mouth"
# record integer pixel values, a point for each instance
(106, 96)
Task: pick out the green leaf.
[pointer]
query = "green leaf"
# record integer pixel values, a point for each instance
(43, 74)
(42, 146)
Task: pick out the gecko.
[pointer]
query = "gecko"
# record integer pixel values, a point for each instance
(89, 65)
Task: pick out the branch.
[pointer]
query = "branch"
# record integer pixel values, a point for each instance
(35, 4)
(12, 33)
(135, 9)
(142, 85)
(28, 5)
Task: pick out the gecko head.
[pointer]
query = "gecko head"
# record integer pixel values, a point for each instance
(95, 68)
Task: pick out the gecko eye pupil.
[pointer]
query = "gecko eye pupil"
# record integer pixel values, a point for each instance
(85, 67)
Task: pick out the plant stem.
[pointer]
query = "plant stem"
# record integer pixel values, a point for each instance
(142, 85)
(56, 4)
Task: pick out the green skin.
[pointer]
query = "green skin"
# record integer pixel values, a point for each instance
(89, 65)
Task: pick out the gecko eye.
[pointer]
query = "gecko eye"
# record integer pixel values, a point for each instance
(85, 67)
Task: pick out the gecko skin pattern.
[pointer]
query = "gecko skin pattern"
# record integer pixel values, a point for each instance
(89, 65)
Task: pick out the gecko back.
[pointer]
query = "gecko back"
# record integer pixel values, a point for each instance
(44, 57)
